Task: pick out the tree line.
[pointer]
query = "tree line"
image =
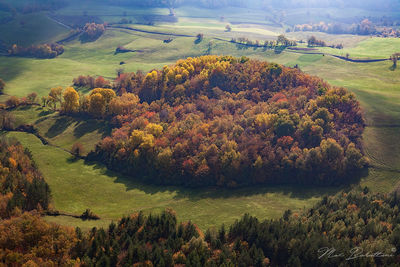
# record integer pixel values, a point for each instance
(313, 41)
(281, 41)
(352, 228)
(224, 121)
(365, 27)
(22, 187)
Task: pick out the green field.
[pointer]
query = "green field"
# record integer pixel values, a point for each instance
(30, 29)
(369, 48)
(77, 186)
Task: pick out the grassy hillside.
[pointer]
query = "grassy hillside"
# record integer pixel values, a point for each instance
(31, 29)
(63, 131)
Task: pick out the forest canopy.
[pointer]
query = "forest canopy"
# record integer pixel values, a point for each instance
(227, 121)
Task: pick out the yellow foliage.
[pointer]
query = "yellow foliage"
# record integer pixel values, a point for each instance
(142, 139)
(137, 137)
(107, 94)
(178, 79)
(71, 100)
(154, 129)
(148, 141)
(97, 104)
(265, 120)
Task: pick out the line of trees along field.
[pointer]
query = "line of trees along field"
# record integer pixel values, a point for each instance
(37, 51)
(352, 225)
(224, 121)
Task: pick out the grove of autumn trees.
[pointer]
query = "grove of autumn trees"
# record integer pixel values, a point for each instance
(37, 51)
(225, 121)
(92, 32)
(22, 187)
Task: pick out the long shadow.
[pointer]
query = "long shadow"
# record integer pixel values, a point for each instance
(88, 126)
(59, 127)
(45, 112)
(195, 194)
(132, 183)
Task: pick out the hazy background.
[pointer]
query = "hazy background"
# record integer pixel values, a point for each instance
(371, 4)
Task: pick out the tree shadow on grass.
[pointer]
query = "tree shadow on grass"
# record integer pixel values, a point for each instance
(45, 112)
(89, 126)
(132, 183)
(301, 192)
(59, 127)
(23, 108)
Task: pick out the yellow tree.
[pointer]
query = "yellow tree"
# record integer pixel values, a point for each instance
(107, 94)
(97, 105)
(71, 100)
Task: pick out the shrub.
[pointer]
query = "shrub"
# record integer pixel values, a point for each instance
(77, 150)
(12, 102)
(89, 215)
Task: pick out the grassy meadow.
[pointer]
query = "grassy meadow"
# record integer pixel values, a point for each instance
(28, 29)
(76, 185)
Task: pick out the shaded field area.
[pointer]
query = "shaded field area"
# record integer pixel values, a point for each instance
(62, 131)
(76, 186)
(30, 29)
